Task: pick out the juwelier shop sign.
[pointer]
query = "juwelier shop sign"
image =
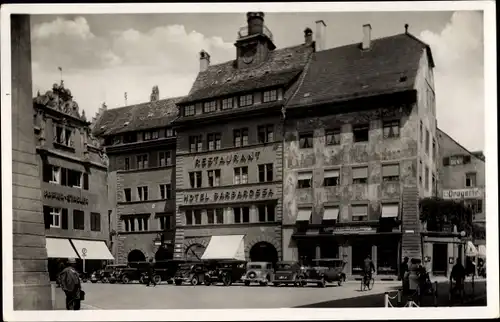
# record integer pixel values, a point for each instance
(69, 198)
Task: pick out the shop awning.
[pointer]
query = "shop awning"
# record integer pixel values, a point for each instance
(481, 252)
(92, 249)
(230, 247)
(59, 248)
(390, 211)
(304, 214)
(331, 213)
(305, 176)
(470, 250)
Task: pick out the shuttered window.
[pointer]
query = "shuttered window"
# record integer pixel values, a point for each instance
(359, 213)
(360, 175)
(390, 172)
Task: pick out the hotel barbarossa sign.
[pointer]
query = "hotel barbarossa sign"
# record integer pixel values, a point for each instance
(240, 195)
(472, 193)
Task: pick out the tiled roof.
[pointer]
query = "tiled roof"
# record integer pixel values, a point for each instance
(347, 72)
(280, 68)
(137, 117)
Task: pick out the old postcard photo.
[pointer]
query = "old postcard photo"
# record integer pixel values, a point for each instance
(262, 161)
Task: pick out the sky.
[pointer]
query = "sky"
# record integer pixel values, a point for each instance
(103, 56)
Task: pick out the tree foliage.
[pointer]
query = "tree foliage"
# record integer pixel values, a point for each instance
(438, 212)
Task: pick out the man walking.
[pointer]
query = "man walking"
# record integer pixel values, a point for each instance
(369, 268)
(70, 284)
(151, 273)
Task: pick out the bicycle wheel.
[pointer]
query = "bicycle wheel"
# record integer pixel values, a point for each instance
(362, 284)
(371, 283)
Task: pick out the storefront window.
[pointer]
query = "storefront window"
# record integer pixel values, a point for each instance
(360, 250)
(387, 258)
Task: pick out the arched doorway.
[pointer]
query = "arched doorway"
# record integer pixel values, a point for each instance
(136, 256)
(263, 252)
(164, 253)
(194, 252)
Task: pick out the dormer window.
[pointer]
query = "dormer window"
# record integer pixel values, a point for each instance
(63, 135)
(270, 96)
(130, 138)
(169, 133)
(189, 110)
(246, 100)
(227, 103)
(150, 135)
(209, 107)
(147, 136)
(117, 140)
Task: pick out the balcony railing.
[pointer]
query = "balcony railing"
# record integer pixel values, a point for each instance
(243, 32)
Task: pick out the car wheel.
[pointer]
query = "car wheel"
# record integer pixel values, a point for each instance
(194, 281)
(276, 284)
(207, 282)
(226, 280)
(157, 279)
(322, 283)
(247, 283)
(125, 279)
(178, 282)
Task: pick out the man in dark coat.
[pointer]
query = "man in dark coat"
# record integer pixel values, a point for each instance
(403, 268)
(151, 273)
(70, 284)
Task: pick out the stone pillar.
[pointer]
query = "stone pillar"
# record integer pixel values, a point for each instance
(31, 283)
(318, 252)
(374, 257)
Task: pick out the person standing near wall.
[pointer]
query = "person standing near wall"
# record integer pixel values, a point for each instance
(70, 284)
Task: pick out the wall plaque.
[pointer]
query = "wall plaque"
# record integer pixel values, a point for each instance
(233, 158)
(233, 195)
(68, 197)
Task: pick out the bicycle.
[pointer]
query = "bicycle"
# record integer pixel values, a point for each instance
(367, 282)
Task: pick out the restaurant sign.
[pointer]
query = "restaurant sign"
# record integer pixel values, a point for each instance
(68, 198)
(349, 230)
(234, 158)
(241, 195)
(472, 193)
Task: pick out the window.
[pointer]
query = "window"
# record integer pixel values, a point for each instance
(55, 217)
(359, 213)
(421, 132)
(164, 158)
(433, 182)
(195, 179)
(265, 172)
(241, 175)
(246, 100)
(130, 224)
(74, 178)
(219, 215)
(266, 213)
(331, 178)
(127, 163)
(155, 134)
(420, 173)
(169, 133)
(240, 137)
(304, 180)
(147, 135)
(360, 175)
(142, 223)
(195, 143)
(209, 107)
(166, 222)
(427, 179)
(214, 141)
(142, 193)
(63, 135)
(360, 133)
(470, 179)
(227, 103)
(265, 133)
(332, 137)
(306, 140)
(270, 96)
(427, 141)
(117, 140)
(479, 207)
(197, 216)
(78, 220)
(189, 110)
(210, 216)
(391, 129)
(390, 173)
(142, 161)
(56, 175)
(128, 194)
(330, 215)
(165, 192)
(189, 217)
(434, 151)
(213, 178)
(241, 214)
(130, 138)
(95, 221)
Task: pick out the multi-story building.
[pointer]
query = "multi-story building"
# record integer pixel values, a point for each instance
(229, 149)
(73, 176)
(359, 152)
(140, 143)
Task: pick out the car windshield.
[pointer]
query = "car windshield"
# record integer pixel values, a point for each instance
(254, 266)
(284, 266)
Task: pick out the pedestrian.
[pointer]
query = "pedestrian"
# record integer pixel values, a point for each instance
(70, 284)
(403, 268)
(413, 275)
(151, 272)
(458, 275)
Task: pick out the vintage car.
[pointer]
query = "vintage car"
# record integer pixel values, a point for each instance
(133, 272)
(258, 272)
(288, 273)
(225, 272)
(165, 270)
(326, 270)
(104, 275)
(193, 273)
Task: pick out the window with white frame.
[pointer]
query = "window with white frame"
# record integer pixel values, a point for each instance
(142, 193)
(155, 134)
(209, 107)
(390, 172)
(227, 103)
(55, 217)
(267, 213)
(265, 133)
(214, 141)
(169, 132)
(56, 175)
(304, 180)
(359, 213)
(165, 192)
(266, 172)
(240, 137)
(165, 158)
(241, 175)
(189, 110)
(270, 96)
(213, 178)
(142, 161)
(195, 143)
(360, 175)
(331, 178)
(146, 135)
(470, 179)
(195, 179)
(246, 100)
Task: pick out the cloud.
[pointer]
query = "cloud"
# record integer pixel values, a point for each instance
(458, 52)
(103, 68)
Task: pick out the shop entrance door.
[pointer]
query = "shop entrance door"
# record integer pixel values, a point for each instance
(360, 250)
(439, 258)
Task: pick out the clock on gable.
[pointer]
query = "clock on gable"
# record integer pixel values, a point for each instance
(249, 53)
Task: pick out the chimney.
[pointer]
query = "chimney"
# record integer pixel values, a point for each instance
(204, 60)
(367, 36)
(155, 94)
(320, 35)
(308, 36)
(255, 22)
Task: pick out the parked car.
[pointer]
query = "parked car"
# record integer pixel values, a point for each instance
(108, 272)
(193, 273)
(165, 270)
(133, 272)
(288, 273)
(225, 272)
(327, 270)
(258, 272)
